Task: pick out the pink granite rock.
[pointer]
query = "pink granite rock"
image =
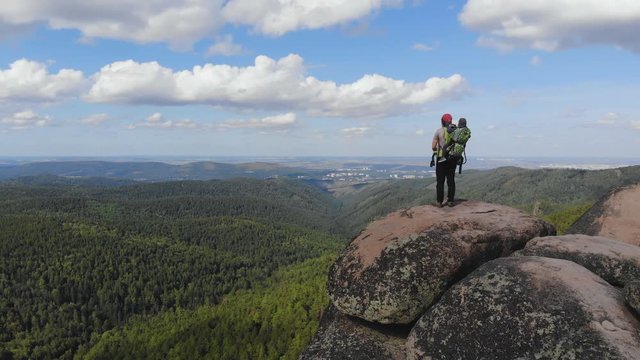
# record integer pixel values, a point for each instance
(394, 270)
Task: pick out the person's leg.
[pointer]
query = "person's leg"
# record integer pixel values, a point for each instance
(451, 180)
(440, 176)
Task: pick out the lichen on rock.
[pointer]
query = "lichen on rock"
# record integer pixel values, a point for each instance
(614, 261)
(342, 337)
(398, 266)
(632, 295)
(527, 308)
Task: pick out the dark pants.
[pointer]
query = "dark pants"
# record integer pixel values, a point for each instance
(446, 169)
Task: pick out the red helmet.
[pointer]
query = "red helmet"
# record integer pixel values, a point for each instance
(446, 119)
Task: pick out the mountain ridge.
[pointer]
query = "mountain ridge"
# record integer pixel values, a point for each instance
(150, 170)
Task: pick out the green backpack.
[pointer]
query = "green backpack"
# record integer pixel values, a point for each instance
(458, 137)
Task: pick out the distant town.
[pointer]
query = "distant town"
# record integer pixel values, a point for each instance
(366, 173)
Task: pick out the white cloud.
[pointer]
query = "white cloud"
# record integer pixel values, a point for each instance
(128, 81)
(25, 120)
(355, 131)
(158, 121)
(551, 25)
(276, 17)
(536, 60)
(491, 127)
(271, 122)
(420, 132)
(177, 22)
(608, 119)
(95, 119)
(268, 85)
(181, 23)
(225, 46)
(155, 118)
(635, 124)
(30, 81)
(423, 47)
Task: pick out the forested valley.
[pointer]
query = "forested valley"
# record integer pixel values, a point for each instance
(233, 269)
(78, 261)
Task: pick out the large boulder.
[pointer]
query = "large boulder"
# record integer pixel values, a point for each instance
(615, 216)
(632, 295)
(393, 271)
(342, 337)
(614, 261)
(528, 308)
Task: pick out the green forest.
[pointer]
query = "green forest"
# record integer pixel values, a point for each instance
(78, 261)
(112, 269)
(276, 320)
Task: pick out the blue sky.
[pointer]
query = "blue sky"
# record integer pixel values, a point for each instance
(303, 77)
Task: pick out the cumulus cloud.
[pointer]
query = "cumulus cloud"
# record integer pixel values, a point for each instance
(225, 46)
(180, 23)
(25, 120)
(177, 22)
(132, 82)
(420, 132)
(157, 121)
(268, 85)
(355, 131)
(282, 121)
(30, 81)
(551, 25)
(8, 30)
(275, 17)
(635, 124)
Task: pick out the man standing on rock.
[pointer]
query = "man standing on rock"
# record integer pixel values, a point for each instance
(445, 168)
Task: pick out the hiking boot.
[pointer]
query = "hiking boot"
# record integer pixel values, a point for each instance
(438, 204)
(451, 203)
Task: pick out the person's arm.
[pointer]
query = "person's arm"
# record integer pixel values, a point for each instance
(435, 142)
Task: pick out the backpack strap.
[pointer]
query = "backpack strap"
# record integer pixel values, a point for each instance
(462, 161)
(447, 140)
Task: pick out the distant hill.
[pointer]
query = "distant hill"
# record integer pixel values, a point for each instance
(543, 190)
(365, 203)
(274, 200)
(55, 180)
(151, 171)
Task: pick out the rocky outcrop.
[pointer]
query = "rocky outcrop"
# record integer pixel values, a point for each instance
(615, 216)
(556, 297)
(342, 337)
(528, 308)
(616, 262)
(394, 270)
(632, 295)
